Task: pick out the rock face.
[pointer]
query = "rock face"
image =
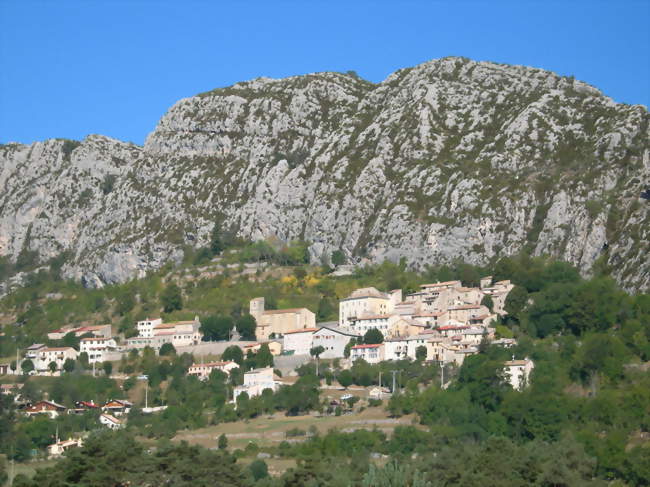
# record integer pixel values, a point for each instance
(449, 159)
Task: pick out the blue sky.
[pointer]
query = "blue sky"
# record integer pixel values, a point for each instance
(72, 68)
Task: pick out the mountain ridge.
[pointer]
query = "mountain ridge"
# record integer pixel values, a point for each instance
(449, 159)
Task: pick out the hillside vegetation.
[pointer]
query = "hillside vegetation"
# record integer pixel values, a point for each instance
(583, 420)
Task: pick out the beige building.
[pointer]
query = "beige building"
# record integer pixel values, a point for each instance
(203, 371)
(435, 297)
(277, 322)
(406, 328)
(57, 449)
(447, 351)
(367, 301)
(477, 313)
(499, 292)
(275, 346)
(517, 373)
(100, 331)
(58, 355)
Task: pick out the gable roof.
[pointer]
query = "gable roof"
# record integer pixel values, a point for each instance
(111, 418)
(301, 330)
(50, 406)
(337, 329)
(374, 345)
(366, 292)
(440, 284)
(286, 310)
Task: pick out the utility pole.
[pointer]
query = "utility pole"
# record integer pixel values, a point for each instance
(93, 368)
(394, 372)
(146, 395)
(442, 374)
(380, 385)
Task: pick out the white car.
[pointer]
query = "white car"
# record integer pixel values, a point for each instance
(345, 397)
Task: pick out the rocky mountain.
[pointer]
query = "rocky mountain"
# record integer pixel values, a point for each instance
(449, 159)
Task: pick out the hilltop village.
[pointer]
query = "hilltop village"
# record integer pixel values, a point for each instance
(441, 323)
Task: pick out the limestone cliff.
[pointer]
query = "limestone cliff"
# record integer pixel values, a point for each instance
(449, 159)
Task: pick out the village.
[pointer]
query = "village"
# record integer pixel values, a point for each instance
(441, 324)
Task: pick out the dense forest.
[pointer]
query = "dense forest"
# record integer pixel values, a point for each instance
(584, 419)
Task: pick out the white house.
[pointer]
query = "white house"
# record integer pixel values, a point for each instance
(145, 327)
(384, 323)
(96, 347)
(155, 334)
(203, 371)
(517, 373)
(255, 382)
(117, 407)
(57, 449)
(300, 341)
(401, 348)
(110, 421)
(58, 355)
(333, 339)
(31, 352)
(373, 354)
(49, 408)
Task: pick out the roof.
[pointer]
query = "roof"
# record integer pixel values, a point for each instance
(337, 329)
(98, 339)
(301, 330)
(366, 292)
(86, 404)
(111, 418)
(434, 315)
(517, 362)
(280, 311)
(453, 327)
(214, 364)
(49, 403)
(440, 284)
(465, 306)
(164, 325)
(57, 349)
(36, 346)
(91, 327)
(161, 333)
(263, 369)
(367, 346)
(119, 402)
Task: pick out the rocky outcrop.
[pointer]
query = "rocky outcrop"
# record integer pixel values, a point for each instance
(449, 159)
